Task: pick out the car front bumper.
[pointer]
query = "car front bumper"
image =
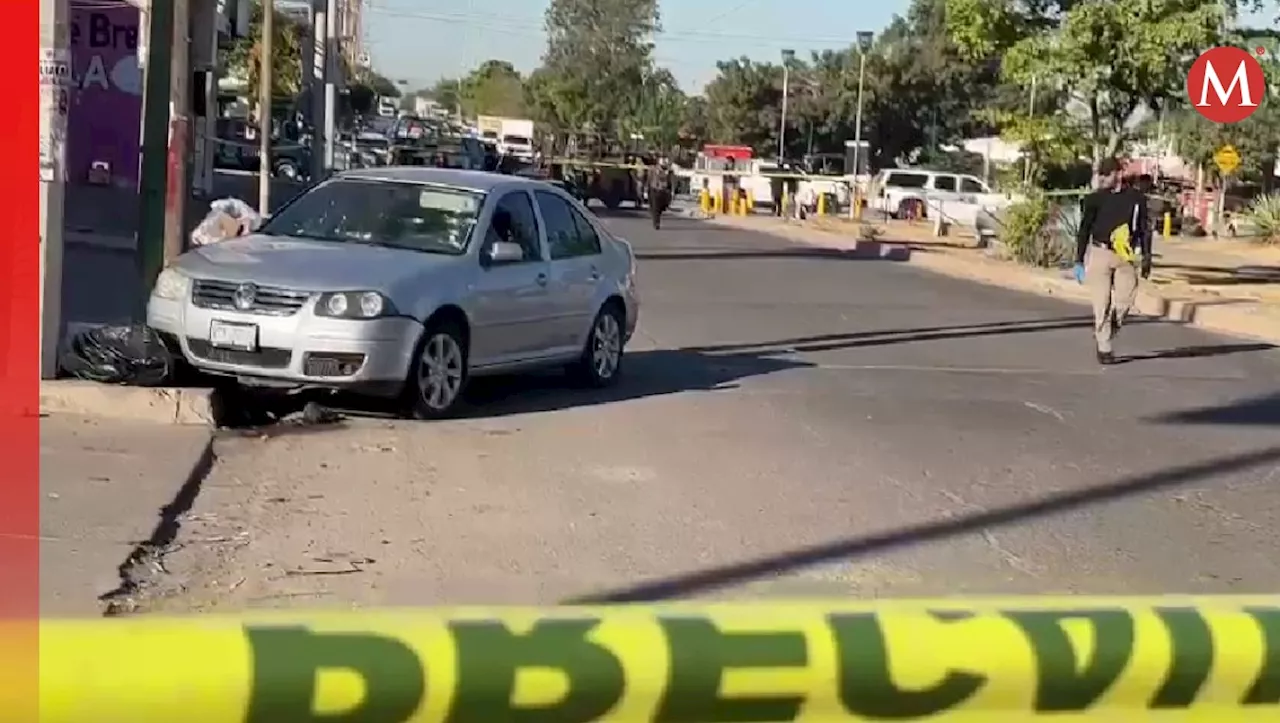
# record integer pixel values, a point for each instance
(300, 349)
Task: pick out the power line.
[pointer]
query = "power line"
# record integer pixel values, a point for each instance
(486, 22)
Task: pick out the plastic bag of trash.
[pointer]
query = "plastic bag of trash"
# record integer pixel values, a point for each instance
(118, 354)
(227, 218)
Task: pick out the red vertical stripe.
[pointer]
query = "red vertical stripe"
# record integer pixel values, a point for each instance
(19, 364)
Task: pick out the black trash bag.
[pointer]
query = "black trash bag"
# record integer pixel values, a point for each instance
(118, 354)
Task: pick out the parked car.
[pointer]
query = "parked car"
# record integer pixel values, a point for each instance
(908, 193)
(405, 282)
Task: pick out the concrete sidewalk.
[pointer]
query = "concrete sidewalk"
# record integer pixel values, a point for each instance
(1230, 287)
(108, 489)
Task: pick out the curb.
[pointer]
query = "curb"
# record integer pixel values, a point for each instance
(1242, 318)
(161, 405)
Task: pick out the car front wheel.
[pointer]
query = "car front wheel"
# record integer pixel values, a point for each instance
(601, 361)
(438, 374)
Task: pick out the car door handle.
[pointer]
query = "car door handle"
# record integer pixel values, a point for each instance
(542, 279)
(595, 274)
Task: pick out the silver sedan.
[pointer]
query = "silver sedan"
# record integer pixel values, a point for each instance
(405, 282)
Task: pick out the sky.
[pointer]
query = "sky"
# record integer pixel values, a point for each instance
(420, 41)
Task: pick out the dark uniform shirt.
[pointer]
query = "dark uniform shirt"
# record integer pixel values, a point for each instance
(1102, 212)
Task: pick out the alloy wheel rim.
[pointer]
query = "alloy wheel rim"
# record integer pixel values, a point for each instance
(606, 346)
(440, 373)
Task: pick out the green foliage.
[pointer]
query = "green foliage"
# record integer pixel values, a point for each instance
(1264, 215)
(1032, 232)
(1112, 58)
(242, 58)
(1256, 138)
(495, 88)
(598, 53)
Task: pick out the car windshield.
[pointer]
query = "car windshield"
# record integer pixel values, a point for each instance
(412, 216)
(515, 140)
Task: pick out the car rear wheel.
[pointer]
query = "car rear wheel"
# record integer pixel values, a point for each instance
(438, 374)
(287, 169)
(601, 362)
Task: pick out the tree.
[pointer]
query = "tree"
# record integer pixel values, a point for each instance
(657, 110)
(598, 52)
(920, 92)
(744, 104)
(286, 54)
(1111, 58)
(494, 88)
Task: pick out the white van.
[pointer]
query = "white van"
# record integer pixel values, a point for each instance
(912, 192)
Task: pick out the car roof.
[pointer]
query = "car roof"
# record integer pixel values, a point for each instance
(479, 181)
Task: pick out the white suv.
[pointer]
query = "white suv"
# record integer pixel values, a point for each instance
(903, 193)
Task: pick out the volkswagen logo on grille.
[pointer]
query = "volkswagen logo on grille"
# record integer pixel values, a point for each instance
(245, 296)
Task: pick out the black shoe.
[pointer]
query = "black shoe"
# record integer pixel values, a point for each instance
(1106, 358)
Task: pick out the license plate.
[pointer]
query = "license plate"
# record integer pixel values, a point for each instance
(228, 335)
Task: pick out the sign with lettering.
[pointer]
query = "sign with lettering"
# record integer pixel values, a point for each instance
(106, 90)
(1216, 661)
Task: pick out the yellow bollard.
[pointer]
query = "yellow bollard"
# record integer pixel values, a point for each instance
(822, 204)
(704, 200)
(751, 202)
(717, 203)
(1168, 225)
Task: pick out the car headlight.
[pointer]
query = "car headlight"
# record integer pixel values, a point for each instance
(354, 305)
(171, 284)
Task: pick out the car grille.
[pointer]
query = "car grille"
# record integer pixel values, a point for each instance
(264, 357)
(272, 300)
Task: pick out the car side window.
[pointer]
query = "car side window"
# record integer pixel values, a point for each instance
(588, 238)
(944, 183)
(969, 185)
(514, 221)
(564, 234)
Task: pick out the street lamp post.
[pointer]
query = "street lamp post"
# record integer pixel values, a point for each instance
(864, 45)
(787, 57)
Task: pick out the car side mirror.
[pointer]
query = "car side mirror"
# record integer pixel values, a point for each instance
(504, 252)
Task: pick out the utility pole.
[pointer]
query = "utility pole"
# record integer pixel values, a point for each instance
(864, 40)
(331, 65)
(316, 85)
(55, 86)
(153, 174)
(1031, 114)
(264, 105)
(787, 56)
(177, 189)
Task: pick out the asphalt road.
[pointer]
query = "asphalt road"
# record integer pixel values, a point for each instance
(792, 424)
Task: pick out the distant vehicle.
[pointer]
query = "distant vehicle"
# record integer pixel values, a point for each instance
(388, 107)
(909, 192)
(238, 148)
(404, 283)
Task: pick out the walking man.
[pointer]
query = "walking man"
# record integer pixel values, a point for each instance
(661, 180)
(1112, 244)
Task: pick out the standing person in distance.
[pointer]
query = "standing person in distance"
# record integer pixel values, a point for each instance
(661, 180)
(1113, 246)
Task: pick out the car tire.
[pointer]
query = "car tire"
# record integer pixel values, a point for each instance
(287, 170)
(438, 374)
(600, 365)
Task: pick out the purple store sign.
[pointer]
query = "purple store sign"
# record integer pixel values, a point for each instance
(104, 122)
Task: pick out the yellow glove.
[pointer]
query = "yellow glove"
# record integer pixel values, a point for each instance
(1121, 244)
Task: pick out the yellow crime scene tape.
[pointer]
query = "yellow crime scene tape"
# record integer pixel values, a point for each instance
(1062, 659)
(704, 172)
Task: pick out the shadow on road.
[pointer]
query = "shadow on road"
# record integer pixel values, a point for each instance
(703, 581)
(1197, 352)
(647, 374)
(709, 368)
(831, 342)
(1256, 411)
(865, 251)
